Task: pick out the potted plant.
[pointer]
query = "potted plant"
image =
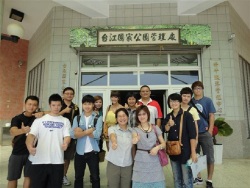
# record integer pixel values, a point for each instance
(221, 128)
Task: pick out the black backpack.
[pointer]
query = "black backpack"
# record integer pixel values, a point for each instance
(95, 120)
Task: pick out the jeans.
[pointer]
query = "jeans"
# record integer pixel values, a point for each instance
(183, 177)
(92, 159)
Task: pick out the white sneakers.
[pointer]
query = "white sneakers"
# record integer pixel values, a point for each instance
(65, 181)
(198, 181)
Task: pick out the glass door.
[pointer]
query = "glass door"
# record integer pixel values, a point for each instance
(102, 93)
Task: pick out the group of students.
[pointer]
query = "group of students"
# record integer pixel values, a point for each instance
(130, 132)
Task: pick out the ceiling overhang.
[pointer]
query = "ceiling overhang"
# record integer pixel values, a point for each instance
(92, 9)
(100, 8)
(193, 7)
(37, 10)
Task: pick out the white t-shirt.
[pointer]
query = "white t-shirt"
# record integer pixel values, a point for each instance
(50, 132)
(153, 113)
(88, 146)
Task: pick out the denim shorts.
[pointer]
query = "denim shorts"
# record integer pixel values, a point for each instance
(205, 141)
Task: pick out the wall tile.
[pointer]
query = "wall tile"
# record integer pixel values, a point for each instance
(146, 12)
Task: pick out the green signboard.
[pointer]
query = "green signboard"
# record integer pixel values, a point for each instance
(189, 34)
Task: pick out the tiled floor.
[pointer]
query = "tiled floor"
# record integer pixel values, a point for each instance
(233, 173)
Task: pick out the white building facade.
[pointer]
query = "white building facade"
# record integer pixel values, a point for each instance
(165, 68)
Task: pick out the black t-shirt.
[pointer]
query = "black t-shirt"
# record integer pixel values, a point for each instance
(19, 147)
(74, 112)
(188, 132)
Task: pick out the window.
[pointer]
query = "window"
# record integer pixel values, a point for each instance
(94, 61)
(35, 80)
(245, 77)
(162, 68)
(150, 60)
(184, 77)
(183, 60)
(123, 60)
(94, 79)
(123, 78)
(154, 78)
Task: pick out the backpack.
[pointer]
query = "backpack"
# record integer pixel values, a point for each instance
(101, 153)
(95, 120)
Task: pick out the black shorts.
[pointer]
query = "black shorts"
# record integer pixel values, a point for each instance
(16, 165)
(46, 175)
(71, 150)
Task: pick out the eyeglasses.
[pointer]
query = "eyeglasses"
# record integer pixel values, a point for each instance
(198, 88)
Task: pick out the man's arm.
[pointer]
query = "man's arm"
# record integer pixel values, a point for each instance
(66, 141)
(78, 132)
(15, 131)
(158, 122)
(159, 115)
(211, 123)
(30, 144)
(65, 110)
(193, 150)
(98, 129)
(197, 131)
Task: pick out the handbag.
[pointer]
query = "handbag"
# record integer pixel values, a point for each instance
(102, 155)
(162, 152)
(174, 147)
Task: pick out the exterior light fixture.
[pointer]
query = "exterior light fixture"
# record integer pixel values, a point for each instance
(15, 31)
(16, 15)
(231, 37)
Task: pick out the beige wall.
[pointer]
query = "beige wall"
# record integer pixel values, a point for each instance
(40, 49)
(219, 18)
(241, 47)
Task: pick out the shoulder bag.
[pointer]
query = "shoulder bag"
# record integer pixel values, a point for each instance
(174, 147)
(201, 114)
(162, 152)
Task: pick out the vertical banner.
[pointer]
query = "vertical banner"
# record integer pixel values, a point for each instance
(64, 76)
(217, 86)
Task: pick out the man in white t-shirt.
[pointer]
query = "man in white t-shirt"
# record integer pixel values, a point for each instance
(51, 132)
(153, 106)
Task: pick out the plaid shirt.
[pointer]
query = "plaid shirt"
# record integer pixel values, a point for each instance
(131, 120)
